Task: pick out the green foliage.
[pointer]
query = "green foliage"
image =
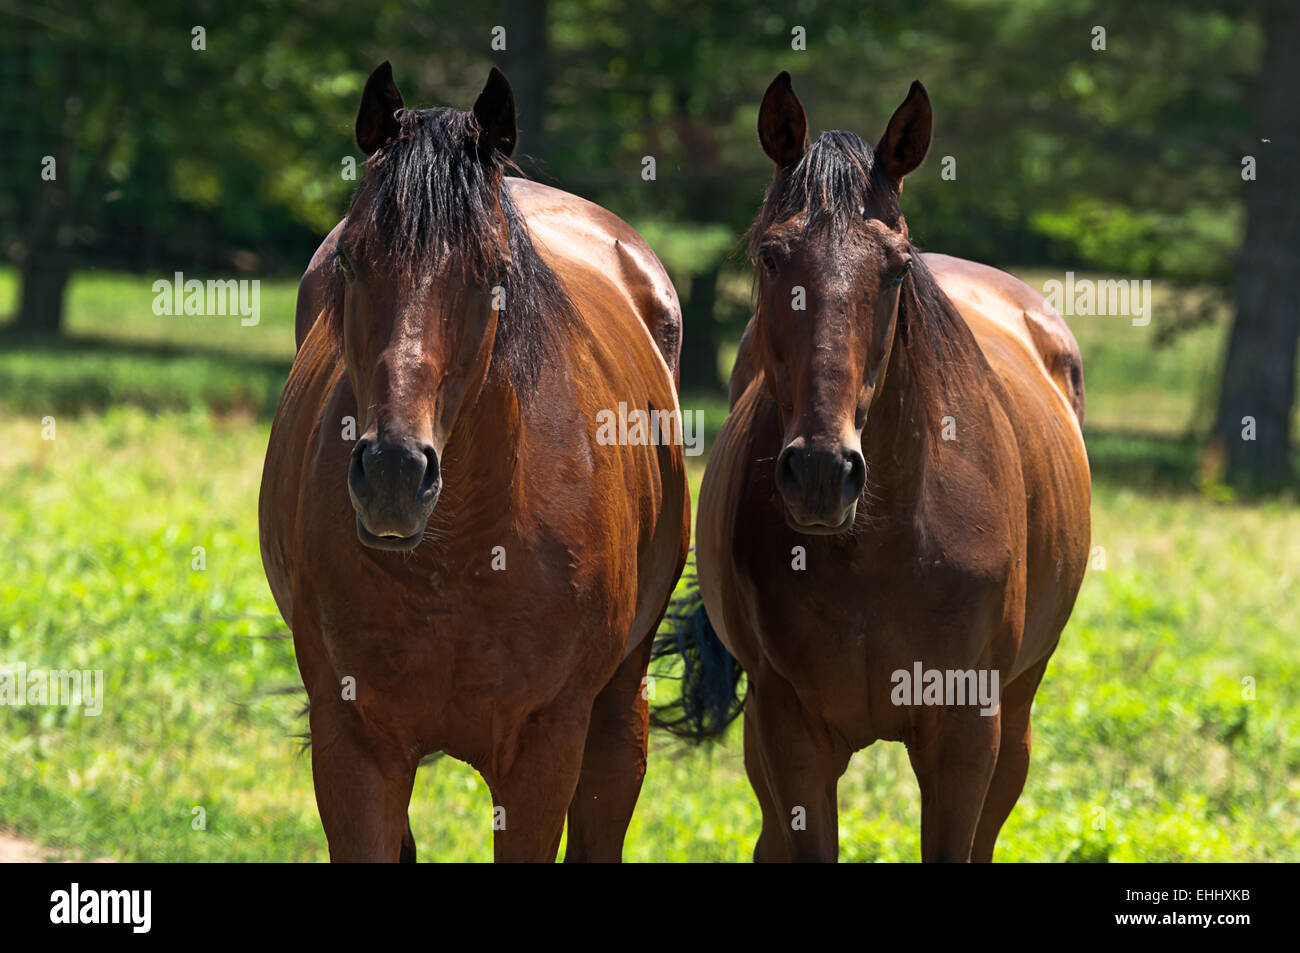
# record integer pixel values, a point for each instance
(686, 249)
(1124, 159)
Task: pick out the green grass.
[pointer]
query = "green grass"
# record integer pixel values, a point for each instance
(1141, 715)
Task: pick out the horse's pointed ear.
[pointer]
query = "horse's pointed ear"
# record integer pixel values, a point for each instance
(782, 124)
(495, 112)
(376, 123)
(907, 137)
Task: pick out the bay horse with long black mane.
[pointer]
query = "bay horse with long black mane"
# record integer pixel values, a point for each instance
(465, 566)
(895, 517)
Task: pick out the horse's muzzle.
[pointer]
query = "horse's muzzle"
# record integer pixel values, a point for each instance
(394, 485)
(820, 487)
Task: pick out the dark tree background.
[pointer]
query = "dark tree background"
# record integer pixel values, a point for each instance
(1259, 375)
(1128, 159)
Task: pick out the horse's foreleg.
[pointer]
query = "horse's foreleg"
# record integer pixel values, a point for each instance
(771, 846)
(613, 765)
(408, 854)
(363, 787)
(803, 762)
(953, 751)
(532, 784)
(1013, 761)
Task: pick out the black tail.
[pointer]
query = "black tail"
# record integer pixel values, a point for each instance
(710, 697)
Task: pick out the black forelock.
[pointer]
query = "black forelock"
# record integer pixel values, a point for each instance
(834, 182)
(831, 187)
(432, 200)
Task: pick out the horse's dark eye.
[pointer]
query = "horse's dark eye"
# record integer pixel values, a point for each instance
(906, 270)
(345, 263)
(768, 261)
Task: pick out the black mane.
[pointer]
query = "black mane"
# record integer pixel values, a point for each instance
(429, 202)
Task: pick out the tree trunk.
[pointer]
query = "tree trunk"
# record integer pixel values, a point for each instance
(1260, 369)
(44, 281)
(700, 335)
(526, 64)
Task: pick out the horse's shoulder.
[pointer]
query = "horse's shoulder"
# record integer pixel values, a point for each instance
(581, 236)
(746, 367)
(752, 431)
(314, 285)
(997, 305)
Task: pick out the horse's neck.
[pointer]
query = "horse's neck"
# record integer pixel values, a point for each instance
(898, 432)
(916, 412)
(481, 459)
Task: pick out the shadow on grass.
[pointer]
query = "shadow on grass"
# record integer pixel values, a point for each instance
(1144, 461)
(74, 375)
(41, 375)
(1168, 465)
(13, 340)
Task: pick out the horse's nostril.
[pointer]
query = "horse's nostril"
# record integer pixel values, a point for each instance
(432, 481)
(856, 479)
(792, 468)
(357, 469)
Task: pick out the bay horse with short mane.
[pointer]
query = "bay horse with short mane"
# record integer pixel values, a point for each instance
(901, 488)
(465, 567)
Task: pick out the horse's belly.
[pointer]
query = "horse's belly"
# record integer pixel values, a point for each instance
(1054, 468)
(1036, 360)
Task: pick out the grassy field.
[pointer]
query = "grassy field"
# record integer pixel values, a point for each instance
(1147, 747)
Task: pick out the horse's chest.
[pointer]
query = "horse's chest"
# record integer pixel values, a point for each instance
(840, 634)
(457, 641)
